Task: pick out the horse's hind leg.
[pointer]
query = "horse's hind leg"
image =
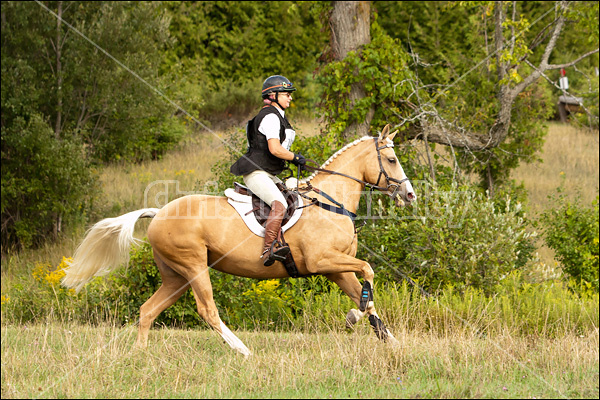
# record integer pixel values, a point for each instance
(200, 281)
(348, 282)
(173, 286)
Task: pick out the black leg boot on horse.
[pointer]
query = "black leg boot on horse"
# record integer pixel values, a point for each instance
(274, 250)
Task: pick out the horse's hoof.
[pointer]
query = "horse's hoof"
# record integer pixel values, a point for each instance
(352, 318)
(379, 328)
(141, 345)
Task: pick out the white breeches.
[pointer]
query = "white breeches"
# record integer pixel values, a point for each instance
(262, 184)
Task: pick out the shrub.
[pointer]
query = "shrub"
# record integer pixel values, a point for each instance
(311, 304)
(46, 182)
(456, 237)
(38, 295)
(571, 230)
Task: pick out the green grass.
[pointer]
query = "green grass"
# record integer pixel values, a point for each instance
(64, 360)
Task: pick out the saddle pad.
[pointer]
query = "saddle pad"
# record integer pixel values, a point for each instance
(243, 205)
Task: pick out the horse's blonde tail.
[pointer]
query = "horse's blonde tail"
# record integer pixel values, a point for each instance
(105, 245)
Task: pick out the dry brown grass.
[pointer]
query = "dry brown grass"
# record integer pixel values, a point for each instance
(190, 165)
(570, 159)
(63, 360)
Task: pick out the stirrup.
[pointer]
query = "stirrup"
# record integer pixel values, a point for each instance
(278, 255)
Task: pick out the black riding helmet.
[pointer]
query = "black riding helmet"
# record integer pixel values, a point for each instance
(275, 84)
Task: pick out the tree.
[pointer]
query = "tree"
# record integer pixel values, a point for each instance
(483, 90)
(511, 54)
(66, 106)
(350, 30)
(516, 45)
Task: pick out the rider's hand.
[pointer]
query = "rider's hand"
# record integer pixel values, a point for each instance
(299, 160)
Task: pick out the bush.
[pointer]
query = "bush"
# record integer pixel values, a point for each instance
(571, 230)
(311, 304)
(158, 137)
(456, 237)
(45, 182)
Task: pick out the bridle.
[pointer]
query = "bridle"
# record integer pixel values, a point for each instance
(391, 183)
(395, 183)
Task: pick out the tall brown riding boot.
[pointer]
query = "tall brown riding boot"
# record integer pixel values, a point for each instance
(273, 249)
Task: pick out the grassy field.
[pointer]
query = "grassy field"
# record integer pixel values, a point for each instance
(570, 159)
(61, 360)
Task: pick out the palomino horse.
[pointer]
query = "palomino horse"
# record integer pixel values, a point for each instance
(195, 232)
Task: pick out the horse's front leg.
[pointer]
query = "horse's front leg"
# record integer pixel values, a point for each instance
(342, 269)
(348, 282)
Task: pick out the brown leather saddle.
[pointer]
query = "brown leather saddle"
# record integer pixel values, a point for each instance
(261, 210)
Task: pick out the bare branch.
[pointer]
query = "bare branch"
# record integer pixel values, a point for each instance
(541, 36)
(571, 63)
(555, 34)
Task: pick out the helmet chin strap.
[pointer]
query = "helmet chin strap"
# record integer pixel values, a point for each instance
(276, 100)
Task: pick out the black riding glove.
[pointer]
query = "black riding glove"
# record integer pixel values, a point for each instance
(299, 160)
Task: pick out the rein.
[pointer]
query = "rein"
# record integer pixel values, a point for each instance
(340, 209)
(395, 184)
(382, 171)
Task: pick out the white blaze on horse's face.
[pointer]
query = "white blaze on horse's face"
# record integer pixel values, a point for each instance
(404, 193)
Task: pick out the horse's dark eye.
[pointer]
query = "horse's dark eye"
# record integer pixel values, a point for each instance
(392, 160)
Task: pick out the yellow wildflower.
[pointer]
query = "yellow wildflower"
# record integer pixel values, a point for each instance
(40, 271)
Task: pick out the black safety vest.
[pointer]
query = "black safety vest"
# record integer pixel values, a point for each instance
(258, 156)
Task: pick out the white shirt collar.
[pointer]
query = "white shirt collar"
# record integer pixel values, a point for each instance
(282, 112)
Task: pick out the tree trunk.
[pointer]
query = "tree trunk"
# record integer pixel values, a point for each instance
(350, 29)
(59, 77)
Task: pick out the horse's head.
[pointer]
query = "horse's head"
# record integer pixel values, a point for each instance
(385, 172)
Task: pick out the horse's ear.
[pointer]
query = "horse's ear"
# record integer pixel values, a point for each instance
(392, 135)
(384, 132)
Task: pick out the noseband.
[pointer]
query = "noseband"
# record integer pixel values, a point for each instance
(390, 182)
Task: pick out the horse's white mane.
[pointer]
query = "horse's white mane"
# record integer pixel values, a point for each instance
(333, 157)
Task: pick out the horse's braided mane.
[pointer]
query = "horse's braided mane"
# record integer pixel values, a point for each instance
(333, 157)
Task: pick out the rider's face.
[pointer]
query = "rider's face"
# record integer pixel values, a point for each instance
(284, 99)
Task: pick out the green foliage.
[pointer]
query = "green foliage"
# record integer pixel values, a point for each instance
(159, 136)
(45, 182)
(91, 95)
(67, 106)
(381, 67)
(227, 49)
(454, 236)
(547, 309)
(571, 230)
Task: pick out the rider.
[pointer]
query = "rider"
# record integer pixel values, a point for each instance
(270, 136)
